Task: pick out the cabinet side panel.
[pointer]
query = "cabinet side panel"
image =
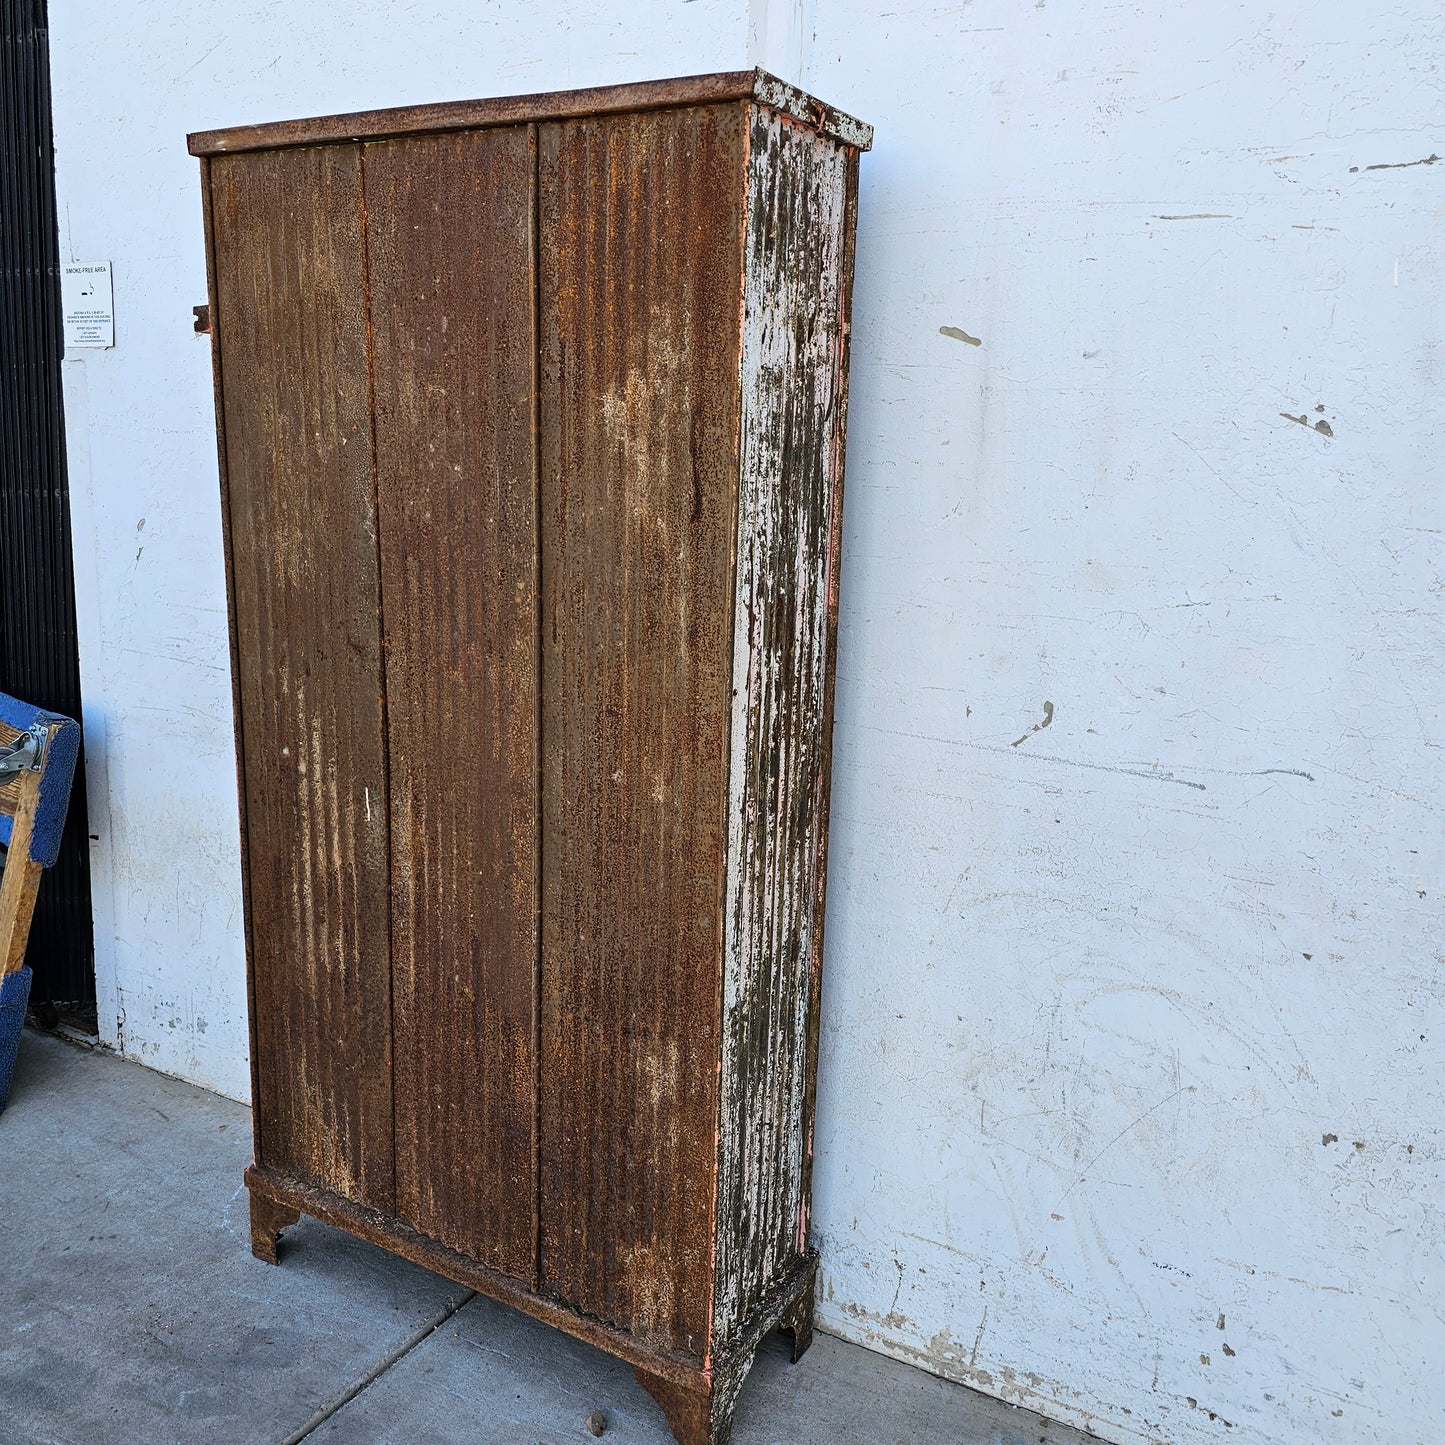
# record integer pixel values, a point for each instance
(449, 226)
(218, 396)
(792, 409)
(641, 253)
(291, 334)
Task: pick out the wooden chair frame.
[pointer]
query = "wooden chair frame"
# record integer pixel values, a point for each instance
(33, 802)
(20, 880)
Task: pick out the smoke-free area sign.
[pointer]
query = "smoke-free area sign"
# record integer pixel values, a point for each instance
(88, 303)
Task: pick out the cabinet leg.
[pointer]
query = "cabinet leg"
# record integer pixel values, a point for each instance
(700, 1414)
(797, 1320)
(268, 1219)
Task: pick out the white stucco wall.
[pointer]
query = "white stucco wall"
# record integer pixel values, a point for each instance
(1132, 1035)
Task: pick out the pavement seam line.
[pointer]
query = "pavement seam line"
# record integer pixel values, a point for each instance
(423, 1331)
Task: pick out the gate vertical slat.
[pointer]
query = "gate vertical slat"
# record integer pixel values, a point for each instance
(39, 658)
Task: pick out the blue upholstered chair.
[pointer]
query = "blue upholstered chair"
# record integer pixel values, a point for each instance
(37, 763)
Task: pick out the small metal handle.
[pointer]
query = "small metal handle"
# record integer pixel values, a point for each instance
(25, 754)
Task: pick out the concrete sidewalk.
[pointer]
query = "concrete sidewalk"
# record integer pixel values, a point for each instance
(131, 1310)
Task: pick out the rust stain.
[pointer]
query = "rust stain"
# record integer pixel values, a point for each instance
(651, 95)
(305, 597)
(453, 321)
(784, 619)
(641, 222)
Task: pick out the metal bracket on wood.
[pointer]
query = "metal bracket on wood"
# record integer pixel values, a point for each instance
(25, 754)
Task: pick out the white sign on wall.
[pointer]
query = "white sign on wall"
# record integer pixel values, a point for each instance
(88, 304)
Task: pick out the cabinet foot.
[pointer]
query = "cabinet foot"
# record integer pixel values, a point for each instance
(700, 1414)
(268, 1219)
(797, 1320)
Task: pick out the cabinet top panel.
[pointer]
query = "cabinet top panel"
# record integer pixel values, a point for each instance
(404, 120)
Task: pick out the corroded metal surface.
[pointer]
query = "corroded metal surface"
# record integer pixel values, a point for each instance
(838, 443)
(532, 437)
(283, 1195)
(292, 345)
(641, 224)
(792, 350)
(551, 106)
(452, 289)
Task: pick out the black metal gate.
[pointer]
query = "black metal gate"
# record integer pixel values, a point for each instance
(38, 654)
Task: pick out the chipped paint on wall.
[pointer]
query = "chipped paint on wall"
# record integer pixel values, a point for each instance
(1102, 975)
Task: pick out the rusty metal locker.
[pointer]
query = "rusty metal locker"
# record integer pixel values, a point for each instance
(531, 419)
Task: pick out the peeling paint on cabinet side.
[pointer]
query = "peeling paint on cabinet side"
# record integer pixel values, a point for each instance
(783, 617)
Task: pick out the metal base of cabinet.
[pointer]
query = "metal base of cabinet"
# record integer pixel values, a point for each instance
(701, 1413)
(697, 1396)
